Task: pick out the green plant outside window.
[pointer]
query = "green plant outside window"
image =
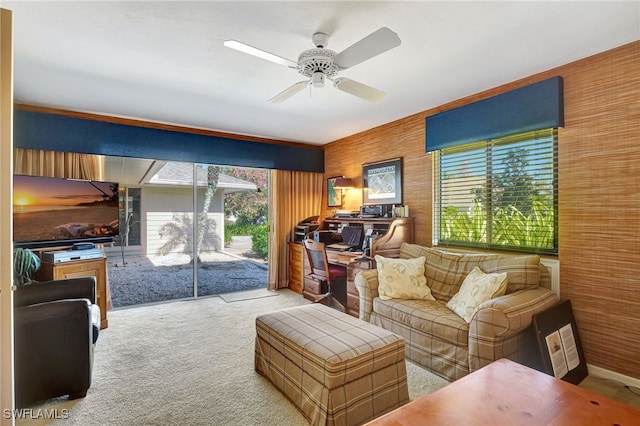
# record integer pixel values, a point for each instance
(499, 194)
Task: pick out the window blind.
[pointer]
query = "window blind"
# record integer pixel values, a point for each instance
(499, 193)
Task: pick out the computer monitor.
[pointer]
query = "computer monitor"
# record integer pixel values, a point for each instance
(352, 235)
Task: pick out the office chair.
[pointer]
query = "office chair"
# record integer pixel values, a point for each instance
(323, 271)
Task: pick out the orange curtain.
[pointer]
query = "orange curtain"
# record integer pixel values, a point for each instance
(36, 162)
(293, 196)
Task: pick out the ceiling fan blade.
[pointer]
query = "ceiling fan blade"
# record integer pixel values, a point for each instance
(372, 45)
(245, 48)
(289, 92)
(360, 90)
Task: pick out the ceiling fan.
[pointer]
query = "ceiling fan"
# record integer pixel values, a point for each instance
(321, 64)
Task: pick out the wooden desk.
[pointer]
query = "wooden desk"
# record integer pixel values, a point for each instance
(507, 393)
(296, 267)
(313, 288)
(389, 235)
(354, 263)
(342, 258)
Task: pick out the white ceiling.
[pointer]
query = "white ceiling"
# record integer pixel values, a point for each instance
(164, 61)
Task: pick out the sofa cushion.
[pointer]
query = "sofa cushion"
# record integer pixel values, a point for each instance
(431, 318)
(402, 279)
(445, 271)
(476, 289)
(523, 272)
(444, 274)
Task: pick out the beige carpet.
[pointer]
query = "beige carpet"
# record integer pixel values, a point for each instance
(239, 296)
(187, 363)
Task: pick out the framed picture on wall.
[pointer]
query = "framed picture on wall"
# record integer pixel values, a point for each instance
(382, 182)
(334, 196)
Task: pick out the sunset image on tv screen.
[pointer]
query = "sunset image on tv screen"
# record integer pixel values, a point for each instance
(47, 208)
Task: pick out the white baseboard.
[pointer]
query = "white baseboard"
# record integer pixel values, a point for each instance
(608, 374)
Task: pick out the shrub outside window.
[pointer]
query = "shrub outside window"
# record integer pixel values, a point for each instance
(498, 194)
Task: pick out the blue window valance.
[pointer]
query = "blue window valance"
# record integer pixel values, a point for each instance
(54, 132)
(536, 106)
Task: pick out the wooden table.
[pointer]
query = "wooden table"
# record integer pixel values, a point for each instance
(507, 393)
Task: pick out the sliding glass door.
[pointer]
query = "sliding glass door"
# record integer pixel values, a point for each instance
(231, 232)
(187, 230)
(152, 260)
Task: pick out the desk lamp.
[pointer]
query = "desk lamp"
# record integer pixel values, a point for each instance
(342, 183)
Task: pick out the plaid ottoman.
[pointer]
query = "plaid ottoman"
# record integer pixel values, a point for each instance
(337, 369)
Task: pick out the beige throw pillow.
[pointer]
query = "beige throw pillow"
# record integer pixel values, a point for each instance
(402, 279)
(477, 288)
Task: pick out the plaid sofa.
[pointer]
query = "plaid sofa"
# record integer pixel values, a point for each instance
(438, 339)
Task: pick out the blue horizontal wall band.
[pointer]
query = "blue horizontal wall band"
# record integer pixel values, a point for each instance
(533, 107)
(54, 132)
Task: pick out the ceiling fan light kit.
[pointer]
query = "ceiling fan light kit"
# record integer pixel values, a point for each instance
(320, 64)
(317, 79)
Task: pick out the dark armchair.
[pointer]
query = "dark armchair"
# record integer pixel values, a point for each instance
(56, 326)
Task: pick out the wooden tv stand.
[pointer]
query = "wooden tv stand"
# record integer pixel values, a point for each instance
(80, 268)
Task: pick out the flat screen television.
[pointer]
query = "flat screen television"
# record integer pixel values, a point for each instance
(49, 212)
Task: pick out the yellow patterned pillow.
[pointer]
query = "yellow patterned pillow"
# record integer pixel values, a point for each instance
(402, 279)
(477, 288)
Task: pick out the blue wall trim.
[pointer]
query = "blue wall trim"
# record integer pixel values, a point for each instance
(533, 107)
(70, 134)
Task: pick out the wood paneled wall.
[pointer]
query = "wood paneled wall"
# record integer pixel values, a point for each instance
(403, 138)
(599, 194)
